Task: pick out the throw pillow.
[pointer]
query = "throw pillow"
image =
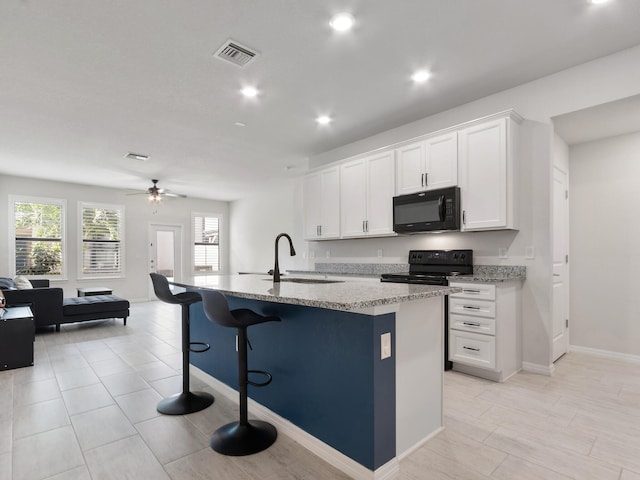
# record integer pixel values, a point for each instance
(7, 284)
(22, 283)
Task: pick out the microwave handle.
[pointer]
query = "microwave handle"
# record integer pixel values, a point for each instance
(441, 207)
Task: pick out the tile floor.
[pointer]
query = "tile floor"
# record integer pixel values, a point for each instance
(86, 410)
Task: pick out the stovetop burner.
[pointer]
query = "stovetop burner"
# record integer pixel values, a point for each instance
(431, 267)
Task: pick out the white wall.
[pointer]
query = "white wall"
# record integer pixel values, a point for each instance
(605, 241)
(607, 79)
(138, 215)
(257, 221)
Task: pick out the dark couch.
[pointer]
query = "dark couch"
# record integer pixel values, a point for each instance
(49, 307)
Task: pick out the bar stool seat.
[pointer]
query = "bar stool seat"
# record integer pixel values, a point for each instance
(186, 401)
(243, 437)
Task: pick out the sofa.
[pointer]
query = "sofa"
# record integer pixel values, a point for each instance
(49, 307)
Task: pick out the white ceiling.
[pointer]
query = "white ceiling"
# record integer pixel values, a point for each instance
(602, 121)
(84, 82)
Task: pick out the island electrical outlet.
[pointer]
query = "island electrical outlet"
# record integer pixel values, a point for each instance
(385, 345)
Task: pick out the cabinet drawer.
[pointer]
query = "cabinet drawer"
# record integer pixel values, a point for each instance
(472, 349)
(475, 324)
(475, 308)
(483, 291)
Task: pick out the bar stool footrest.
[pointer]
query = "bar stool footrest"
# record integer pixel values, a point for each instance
(205, 347)
(260, 372)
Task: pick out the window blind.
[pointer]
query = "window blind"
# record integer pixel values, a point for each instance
(101, 240)
(206, 249)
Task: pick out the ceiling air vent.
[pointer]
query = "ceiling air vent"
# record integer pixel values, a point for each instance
(235, 53)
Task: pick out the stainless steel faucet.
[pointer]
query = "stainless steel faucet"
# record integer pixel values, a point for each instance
(276, 268)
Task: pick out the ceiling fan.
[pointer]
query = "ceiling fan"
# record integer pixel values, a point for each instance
(156, 194)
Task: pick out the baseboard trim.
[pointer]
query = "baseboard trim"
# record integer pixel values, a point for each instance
(388, 471)
(537, 368)
(625, 357)
(415, 447)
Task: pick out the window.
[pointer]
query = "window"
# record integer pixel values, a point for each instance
(206, 247)
(102, 233)
(37, 229)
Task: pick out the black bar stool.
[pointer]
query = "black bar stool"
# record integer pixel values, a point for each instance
(185, 402)
(243, 437)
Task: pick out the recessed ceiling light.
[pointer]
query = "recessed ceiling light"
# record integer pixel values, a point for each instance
(342, 22)
(137, 156)
(240, 124)
(249, 92)
(597, 2)
(421, 76)
(323, 119)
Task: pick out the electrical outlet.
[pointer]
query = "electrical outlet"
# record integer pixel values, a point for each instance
(385, 345)
(502, 252)
(312, 254)
(328, 253)
(530, 253)
(379, 253)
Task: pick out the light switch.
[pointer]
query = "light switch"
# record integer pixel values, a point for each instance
(385, 345)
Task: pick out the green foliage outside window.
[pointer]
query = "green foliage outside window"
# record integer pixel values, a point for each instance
(38, 230)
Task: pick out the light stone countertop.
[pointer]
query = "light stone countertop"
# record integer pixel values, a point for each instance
(346, 296)
(493, 274)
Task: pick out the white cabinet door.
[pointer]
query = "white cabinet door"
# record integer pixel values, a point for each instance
(380, 191)
(353, 197)
(312, 187)
(330, 211)
(322, 204)
(366, 196)
(410, 168)
(428, 164)
(441, 161)
(483, 176)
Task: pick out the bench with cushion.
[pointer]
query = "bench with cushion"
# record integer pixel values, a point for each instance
(50, 308)
(95, 307)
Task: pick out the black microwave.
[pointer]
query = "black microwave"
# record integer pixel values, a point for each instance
(433, 210)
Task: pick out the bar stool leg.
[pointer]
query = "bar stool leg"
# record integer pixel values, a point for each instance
(187, 401)
(243, 437)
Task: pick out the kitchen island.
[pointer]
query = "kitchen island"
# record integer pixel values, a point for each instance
(335, 382)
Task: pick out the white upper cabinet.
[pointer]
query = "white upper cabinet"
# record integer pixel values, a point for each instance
(427, 164)
(366, 195)
(322, 204)
(487, 174)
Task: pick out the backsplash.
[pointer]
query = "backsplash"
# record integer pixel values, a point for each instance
(500, 270)
(361, 268)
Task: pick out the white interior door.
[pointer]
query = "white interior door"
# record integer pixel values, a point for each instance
(560, 299)
(165, 252)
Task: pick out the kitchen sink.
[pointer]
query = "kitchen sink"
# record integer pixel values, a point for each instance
(306, 280)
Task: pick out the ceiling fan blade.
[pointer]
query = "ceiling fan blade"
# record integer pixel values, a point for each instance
(175, 195)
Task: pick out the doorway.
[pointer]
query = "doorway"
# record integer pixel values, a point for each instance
(165, 252)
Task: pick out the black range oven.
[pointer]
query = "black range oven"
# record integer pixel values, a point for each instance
(432, 267)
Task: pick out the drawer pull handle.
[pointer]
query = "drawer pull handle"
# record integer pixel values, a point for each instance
(471, 324)
(468, 290)
(471, 307)
(471, 348)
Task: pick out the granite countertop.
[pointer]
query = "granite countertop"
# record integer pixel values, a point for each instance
(481, 273)
(493, 274)
(348, 295)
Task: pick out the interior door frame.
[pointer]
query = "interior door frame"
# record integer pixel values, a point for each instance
(178, 230)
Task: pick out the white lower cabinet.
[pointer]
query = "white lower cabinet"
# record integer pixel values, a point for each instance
(485, 329)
